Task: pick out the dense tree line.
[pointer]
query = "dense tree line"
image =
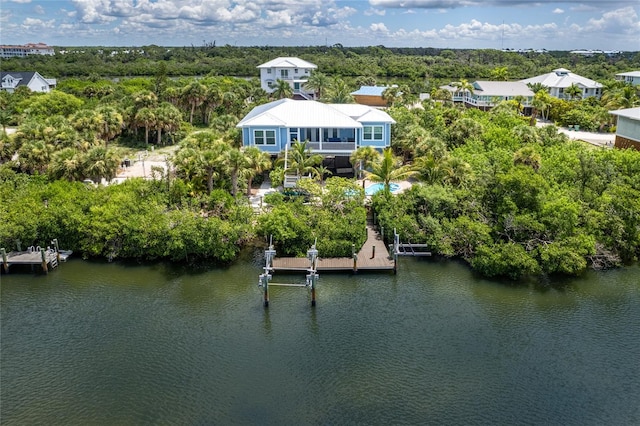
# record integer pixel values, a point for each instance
(411, 64)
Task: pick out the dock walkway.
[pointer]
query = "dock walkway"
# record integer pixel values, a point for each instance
(46, 258)
(373, 256)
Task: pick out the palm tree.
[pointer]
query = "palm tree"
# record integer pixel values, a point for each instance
(283, 90)
(458, 172)
(500, 74)
(624, 97)
(432, 170)
(101, 162)
(463, 86)
(318, 82)
(574, 91)
(537, 87)
(145, 99)
(257, 162)
(168, 118)
(388, 168)
(300, 160)
(146, 118)
(34, 156)
(364, 156)
(67, 164)
(321, 171)
(527, 156)
(111, 123)
(236, 162)
(339, 92)
(194, 95)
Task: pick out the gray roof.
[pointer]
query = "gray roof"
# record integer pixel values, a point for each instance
(24, 76)
(562, 78)
(631, 113)
(501, 88)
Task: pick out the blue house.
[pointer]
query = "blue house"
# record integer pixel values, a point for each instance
(330, 129)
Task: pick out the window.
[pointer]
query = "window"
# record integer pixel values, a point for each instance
(372, 133)
(293, 134)
(264, 137)
(268, 70)
(284, 73)
(295, 71)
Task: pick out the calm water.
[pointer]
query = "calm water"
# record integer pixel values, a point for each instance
(116, 344)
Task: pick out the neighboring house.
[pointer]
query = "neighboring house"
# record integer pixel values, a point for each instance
(487, 94)
(294, 71)
(21, 51)
(330, 129)
(632, 77)
(628, 128)
(370, 95)
(559, 79)
(10, 80)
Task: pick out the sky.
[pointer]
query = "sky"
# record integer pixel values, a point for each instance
(513, 24)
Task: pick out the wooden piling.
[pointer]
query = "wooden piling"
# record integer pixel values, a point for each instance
(5, 263)
(44, 260)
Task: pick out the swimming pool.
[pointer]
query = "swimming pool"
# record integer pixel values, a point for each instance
(372, 189)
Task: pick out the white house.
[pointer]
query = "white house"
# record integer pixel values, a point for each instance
(294, 71)
(628, 128)
(487, 94)
(632, 77)
(10, 80)
(21, 51)
(559, 79)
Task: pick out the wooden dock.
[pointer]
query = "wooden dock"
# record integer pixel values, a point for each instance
(373, 256)
(45, 258)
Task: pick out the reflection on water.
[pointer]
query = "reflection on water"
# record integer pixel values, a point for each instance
(98, 343)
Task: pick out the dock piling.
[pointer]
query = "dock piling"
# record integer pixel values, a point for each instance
(5, 263)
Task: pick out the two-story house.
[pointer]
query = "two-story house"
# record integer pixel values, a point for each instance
(329, 129)
(10, 80)
(560, 79)
(294, 71)
(631, 77)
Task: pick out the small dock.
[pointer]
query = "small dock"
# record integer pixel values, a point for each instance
(48, 258)
(373, 256)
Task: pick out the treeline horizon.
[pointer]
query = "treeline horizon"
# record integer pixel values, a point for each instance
(417, 64)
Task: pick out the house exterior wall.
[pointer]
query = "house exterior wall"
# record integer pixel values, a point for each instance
(370, 100)
(273, 74)
(345, 141)
(628, 128)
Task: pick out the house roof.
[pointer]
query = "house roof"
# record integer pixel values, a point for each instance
(501, 88)
(631, 113)
(288, 62)
(370, 90)
(24, 76)
(290, 113)
(562, 77)
(629, 74)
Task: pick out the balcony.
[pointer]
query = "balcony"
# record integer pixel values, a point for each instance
(332, 147)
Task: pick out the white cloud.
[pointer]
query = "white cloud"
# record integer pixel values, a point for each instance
(21, 1)
(373, 11)
(619, 20)
(378, 28)
(31, 23)
(558, 11)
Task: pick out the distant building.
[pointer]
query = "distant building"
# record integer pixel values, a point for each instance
(370, 95)
(22, 51)
(628, 128)
(11, 80)
(294, 71)
(487, 94)
(632, 77)
(560, 79)
(591, 52)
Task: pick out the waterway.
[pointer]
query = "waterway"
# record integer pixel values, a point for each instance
(112, 343)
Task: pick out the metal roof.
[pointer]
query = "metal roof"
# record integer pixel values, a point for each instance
(288, 62)
(501, 88)
(630, 74)
(562, 77)
(632, 113)
(370, 90)
(312, 114)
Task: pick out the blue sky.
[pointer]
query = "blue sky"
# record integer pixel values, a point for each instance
(517, 24)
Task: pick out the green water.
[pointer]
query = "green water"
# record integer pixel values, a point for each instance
(95, 343)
